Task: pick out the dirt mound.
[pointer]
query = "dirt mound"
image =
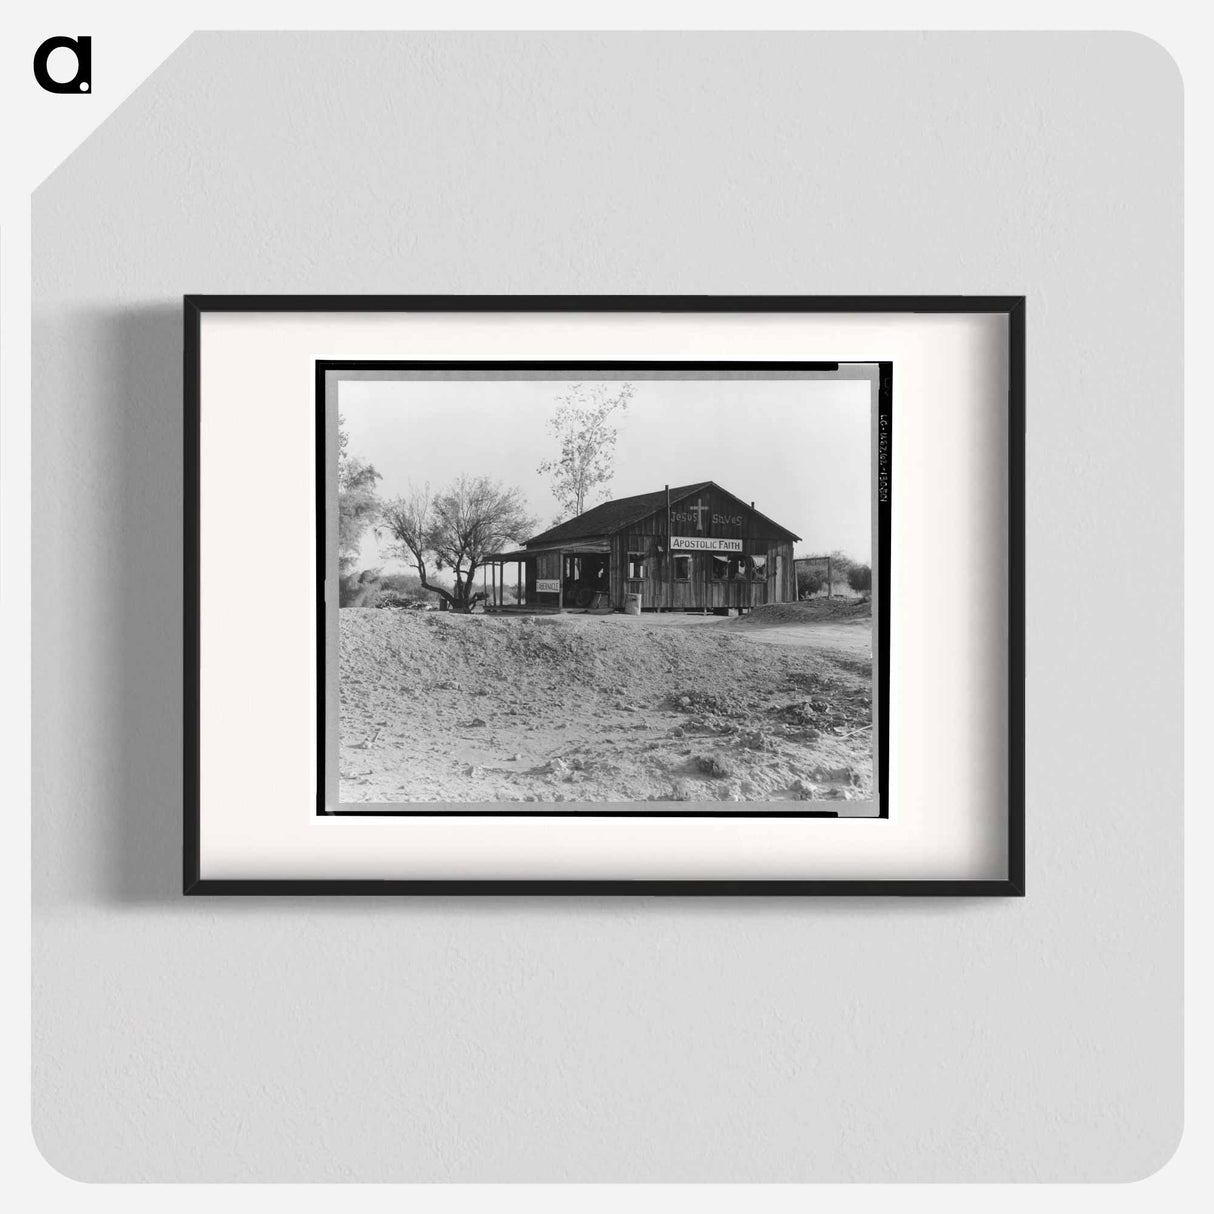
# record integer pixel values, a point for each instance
(442, 707)
(808, 611)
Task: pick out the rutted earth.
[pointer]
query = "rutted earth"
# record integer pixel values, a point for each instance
(576, 708)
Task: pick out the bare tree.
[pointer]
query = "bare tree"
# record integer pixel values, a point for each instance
(456, 529)
(583, 426)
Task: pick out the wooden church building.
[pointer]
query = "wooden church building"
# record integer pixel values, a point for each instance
(690, 548)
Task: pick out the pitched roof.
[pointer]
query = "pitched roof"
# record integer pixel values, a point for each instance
(611, 516)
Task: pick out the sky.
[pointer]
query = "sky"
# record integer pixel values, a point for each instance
(799, 449)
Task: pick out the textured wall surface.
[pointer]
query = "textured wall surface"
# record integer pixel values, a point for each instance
(1036, 1039)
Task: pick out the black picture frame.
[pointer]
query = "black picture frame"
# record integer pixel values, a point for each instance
(1012, 307)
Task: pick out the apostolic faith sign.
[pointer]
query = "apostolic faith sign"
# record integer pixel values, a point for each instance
(703, 543)
(545, 586)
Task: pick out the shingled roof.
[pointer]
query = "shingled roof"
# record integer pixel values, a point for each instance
(608, 517)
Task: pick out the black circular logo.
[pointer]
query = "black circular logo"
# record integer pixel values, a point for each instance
(82, 81)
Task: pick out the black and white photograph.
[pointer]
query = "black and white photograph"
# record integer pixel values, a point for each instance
(625, 590)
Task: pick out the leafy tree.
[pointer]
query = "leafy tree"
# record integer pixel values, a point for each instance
(357, 504)
(585, 430)
(456, 529)
(841, 565)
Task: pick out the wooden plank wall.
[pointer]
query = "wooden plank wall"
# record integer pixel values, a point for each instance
(647, 535)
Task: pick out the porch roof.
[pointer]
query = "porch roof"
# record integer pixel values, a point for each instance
(572, 547)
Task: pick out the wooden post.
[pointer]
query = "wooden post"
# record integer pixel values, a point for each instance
(669, 555)
(750, 582)
(830, 581)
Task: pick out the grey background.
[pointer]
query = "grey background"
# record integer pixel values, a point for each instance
(1034, 1039)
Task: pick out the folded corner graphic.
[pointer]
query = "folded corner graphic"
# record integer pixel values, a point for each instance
(66, 82)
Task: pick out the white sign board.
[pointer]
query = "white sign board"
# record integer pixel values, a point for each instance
(548, 585)
(703, 543)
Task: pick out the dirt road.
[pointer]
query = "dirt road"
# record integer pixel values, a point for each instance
(579, 708)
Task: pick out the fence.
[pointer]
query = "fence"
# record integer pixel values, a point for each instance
(827, 569)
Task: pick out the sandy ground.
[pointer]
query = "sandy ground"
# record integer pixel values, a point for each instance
(583, 708)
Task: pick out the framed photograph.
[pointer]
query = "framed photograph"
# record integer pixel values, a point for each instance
(604, 595)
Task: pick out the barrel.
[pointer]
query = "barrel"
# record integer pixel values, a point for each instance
(632, 604)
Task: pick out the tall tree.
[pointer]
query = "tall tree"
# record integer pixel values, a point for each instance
(357, 503)
(456, 529)
(584, 425)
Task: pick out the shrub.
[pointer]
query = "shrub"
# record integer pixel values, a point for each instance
(388, 598)
(354, 589)
(860, 578)
(371, 588)
(810, 580)
(845, 574)
(715, 765)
